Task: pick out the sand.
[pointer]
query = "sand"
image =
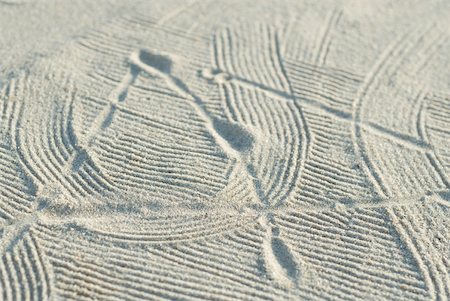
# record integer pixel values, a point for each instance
(224, 150)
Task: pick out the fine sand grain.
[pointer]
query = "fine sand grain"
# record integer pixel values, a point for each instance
(224, 150)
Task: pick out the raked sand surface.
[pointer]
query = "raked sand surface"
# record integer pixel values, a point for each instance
(224, 150)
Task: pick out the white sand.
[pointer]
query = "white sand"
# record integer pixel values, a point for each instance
(237, 150)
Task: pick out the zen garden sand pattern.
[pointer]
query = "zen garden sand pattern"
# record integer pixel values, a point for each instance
(224, 150)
